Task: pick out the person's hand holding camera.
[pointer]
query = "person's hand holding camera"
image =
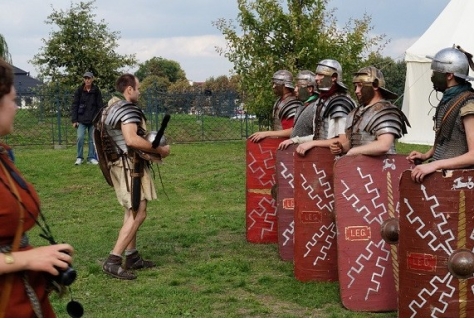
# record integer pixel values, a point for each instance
(51, 259)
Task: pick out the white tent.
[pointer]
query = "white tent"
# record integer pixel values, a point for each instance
(454, 25)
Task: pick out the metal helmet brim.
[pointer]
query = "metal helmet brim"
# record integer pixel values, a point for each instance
(451, 60)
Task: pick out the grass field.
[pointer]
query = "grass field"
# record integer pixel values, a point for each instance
(195, 232)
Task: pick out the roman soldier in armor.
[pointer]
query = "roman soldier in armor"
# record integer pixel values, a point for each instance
(284, 109)
(453, 146)
(305, 91)
(127, 154)
(372, 127)
(330, 109)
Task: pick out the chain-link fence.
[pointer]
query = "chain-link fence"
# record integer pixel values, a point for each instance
(44, 118)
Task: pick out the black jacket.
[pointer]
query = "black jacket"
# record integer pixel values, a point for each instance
(86, 104)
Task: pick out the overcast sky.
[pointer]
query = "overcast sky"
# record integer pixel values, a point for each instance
(182, 30)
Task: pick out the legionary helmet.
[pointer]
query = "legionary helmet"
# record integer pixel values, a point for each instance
(150, 137)
(306, 77)
(283, 77)
(451, 60)
(374, 76)
(327, 68)
(153, 157)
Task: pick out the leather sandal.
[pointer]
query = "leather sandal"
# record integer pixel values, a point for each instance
(113, 267)
(135, 261)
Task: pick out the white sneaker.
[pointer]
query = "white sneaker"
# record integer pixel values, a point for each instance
(78, 161)
(93, 161)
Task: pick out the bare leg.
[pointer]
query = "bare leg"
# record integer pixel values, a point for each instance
(127, 238)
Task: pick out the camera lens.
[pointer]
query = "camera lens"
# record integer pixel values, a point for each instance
(66, 277)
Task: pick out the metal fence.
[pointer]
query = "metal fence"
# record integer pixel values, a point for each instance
(44, 118)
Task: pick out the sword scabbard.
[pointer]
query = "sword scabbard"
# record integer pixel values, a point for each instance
(136, 176)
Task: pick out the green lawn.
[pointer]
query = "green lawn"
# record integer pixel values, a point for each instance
(195, 232)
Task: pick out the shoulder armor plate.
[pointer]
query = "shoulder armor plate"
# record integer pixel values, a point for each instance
(123, 112)
(384, 117)
(339, 106)
(288, 107)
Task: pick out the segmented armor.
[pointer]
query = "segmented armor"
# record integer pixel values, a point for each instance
(336, 106)
(284, 108)
(366, 123)
(450, 138)
(118, 113)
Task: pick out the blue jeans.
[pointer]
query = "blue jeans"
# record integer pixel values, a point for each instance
(81, 132)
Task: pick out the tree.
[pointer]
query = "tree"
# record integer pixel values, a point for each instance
(150, 87)
(222, 84)
(155, 83)
(294, 38)
(223, 94)
(81, 44)
(4, 53)
(394, 73)
(180, 86)
(158, 66)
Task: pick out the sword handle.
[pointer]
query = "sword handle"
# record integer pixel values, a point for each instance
(161, 131)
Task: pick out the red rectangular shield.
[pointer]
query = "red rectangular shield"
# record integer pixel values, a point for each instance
(366, 195)
(285, 201)
(315, 249)
(261, 220)
(436, 245)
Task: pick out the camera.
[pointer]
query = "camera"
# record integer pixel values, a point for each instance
(81, 109)
(66, 277)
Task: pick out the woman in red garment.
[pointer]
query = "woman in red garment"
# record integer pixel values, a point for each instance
(23, 269)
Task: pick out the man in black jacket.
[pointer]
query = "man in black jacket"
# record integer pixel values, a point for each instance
(87, 103)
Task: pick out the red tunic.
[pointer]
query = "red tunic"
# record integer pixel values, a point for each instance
(19, 304)
(287, 123)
